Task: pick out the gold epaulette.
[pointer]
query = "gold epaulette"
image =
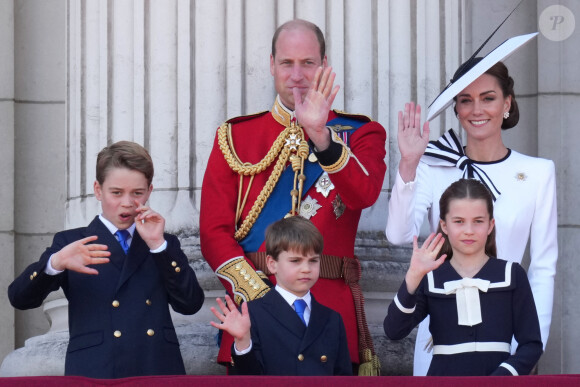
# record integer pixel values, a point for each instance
(247, 284)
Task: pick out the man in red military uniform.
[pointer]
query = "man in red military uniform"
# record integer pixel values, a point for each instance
(300, 158)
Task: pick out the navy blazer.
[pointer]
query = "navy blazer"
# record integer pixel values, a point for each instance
(283, 345)
(119, 320)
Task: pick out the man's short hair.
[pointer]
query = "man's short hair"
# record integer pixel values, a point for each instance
(124, 154)
(294, 233)
(300, 23)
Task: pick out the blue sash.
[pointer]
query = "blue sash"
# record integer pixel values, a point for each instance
(279, 203)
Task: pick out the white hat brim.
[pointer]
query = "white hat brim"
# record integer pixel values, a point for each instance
(499, 53)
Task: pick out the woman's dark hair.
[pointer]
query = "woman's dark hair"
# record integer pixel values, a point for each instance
(500, 72)
(466, 189)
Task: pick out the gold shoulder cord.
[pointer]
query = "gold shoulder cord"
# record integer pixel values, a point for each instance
(290, 139)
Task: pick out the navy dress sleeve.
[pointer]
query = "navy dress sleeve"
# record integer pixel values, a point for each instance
(526, 329)
(405, 312)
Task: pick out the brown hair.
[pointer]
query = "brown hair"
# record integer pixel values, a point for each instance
(293, 233)
(299, 23)
(466, 189)
(124, 154)
(506, 83)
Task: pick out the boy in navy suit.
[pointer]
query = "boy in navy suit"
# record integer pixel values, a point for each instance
(119, 320)
(274, 335)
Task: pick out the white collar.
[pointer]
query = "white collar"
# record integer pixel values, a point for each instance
(290, 298)
(112, 228)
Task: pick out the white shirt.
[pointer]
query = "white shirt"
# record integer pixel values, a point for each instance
(290, 298)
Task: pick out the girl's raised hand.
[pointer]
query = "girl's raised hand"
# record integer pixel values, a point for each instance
(424, 260)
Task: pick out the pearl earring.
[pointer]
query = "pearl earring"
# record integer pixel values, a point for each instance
(506, 115)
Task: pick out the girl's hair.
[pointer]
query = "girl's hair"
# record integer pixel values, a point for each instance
(506, 83)
(466, 189)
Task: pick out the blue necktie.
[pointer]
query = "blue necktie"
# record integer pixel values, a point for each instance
(123, 236)
(299, 306)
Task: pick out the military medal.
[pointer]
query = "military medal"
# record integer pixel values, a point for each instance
(309, 207)
(338, 206)
(324, 185)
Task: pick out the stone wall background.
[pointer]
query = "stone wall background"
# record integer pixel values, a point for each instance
(77, 75)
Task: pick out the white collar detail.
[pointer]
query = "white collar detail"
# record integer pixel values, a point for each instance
(467, 299)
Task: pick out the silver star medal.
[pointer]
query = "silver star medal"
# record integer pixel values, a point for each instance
(324, 185)
(308, 207)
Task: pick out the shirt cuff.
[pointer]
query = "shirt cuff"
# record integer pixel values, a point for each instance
(49, 269)
(160, 248)
(240, 353)
(409, 186)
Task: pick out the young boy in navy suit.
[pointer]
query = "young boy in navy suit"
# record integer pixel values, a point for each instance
(119, 275)
(274, 335)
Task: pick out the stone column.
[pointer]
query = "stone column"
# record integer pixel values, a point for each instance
(37, 135)
(6, 171)
(39, 143)
(558, 139)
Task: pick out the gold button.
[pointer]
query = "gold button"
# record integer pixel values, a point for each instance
(177, 269)
(117, 333)
(173, 263)
(301, 357)
(115, 304)
(323, 358)
(148, 302)
(243, 272)
(34, 274)
(247, 277)
(150, 332)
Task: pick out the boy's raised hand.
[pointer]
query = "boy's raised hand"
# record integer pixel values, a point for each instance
(150, 225)
(232, 321)
(78, 255)
(424, 260)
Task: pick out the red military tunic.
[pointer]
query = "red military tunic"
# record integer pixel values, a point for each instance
(358, 182)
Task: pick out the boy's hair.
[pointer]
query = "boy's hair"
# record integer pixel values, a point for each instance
(466, 189)
(124, 154)
(293, 233)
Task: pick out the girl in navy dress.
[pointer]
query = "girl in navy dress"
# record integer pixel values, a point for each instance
(476, 301)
